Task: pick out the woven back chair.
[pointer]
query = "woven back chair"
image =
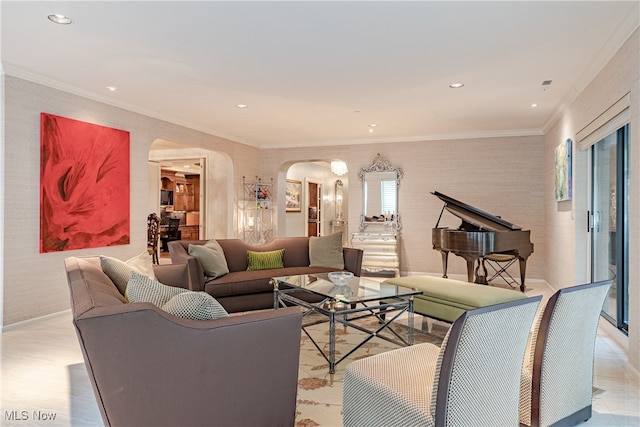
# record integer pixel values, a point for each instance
(557, 377)
(473, 379)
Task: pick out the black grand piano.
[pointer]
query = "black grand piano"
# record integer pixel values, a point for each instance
(479, 235)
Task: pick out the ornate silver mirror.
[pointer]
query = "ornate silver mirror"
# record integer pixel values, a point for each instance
(380, 183)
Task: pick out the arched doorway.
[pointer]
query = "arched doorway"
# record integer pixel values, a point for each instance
(312, 174)
(215, 191)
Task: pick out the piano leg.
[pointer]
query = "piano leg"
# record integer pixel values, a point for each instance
(523, 271)
(470, 271)
(445, 263)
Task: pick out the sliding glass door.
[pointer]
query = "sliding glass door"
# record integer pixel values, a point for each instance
(609, 229)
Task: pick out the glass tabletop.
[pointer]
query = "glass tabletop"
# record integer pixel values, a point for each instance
(358, 290)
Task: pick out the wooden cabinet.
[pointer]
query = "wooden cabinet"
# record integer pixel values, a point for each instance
(185, 188)
(189, 232)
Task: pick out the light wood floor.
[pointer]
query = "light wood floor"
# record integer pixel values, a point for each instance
(44, 381)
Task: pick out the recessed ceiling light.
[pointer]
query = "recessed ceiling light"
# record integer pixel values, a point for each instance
(534, 105)
(60, 19)
(373, 125)
(112, 88)
(241, 105)
(456, 85)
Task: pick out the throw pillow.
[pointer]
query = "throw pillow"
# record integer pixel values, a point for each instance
(326, 251)
(141, 288)
(195, 305)
(119, 271)
(211, 258)
(265, 260)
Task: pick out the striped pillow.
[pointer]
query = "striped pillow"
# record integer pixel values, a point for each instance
(265, 260)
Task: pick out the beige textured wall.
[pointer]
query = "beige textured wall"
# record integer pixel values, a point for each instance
(503, 176)
(566, 222)
(35, 283)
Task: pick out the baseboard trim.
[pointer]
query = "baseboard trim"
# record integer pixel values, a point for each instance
(23, 323)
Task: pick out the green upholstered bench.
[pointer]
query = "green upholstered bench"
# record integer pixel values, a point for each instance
(446, 299)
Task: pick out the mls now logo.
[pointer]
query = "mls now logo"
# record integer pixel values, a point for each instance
(29, 415)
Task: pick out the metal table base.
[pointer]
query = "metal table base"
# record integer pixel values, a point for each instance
(335, 311)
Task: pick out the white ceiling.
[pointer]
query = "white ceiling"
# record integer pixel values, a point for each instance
(318, 73)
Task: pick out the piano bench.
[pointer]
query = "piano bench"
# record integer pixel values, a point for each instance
(446, 299)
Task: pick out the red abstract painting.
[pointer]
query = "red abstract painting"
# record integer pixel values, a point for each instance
(84, 185)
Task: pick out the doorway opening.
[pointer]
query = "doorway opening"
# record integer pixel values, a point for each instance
(314, 208)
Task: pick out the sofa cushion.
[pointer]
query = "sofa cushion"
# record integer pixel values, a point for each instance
(211, 256)
(265, 260)
(456, 293)
(119, 271)
(326, 251)
(255, 281)
(141, 288)
(195, 305)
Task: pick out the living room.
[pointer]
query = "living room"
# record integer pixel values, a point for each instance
(510, 174)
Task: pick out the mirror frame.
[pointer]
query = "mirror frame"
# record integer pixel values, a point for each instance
(380, 164)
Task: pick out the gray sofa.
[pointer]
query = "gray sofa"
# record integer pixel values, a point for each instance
(151, 368)
(242, 290)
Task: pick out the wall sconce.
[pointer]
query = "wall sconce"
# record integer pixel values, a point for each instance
(339, 196)
(339, 167)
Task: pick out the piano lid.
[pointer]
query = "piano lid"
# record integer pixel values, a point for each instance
(474, 216)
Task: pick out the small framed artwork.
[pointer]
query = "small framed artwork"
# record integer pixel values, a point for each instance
(293, 195)
(563, 171)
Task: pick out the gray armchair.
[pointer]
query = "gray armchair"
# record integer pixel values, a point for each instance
(472, 380)
(557, 377)
(150, 368)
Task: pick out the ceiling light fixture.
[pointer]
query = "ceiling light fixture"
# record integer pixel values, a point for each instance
(339, 167)
(534, 105)
(60, 19)
(241, 105)
(456, 85)
(112, 88)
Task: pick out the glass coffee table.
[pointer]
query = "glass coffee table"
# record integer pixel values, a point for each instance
(358, 299)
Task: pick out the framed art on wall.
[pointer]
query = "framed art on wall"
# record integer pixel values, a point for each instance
(563, 171)
(84, 185)
(293, 195)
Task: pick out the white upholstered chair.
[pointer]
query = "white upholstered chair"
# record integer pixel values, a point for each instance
(472, 380)
(557, 377)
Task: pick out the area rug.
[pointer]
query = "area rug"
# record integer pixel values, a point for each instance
(320, 403)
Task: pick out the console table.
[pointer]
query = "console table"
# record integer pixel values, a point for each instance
(381, 253)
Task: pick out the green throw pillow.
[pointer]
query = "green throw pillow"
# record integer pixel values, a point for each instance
(119, 271)
(211, 258)
(195, 305)
(265, 260)
(326, 251)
